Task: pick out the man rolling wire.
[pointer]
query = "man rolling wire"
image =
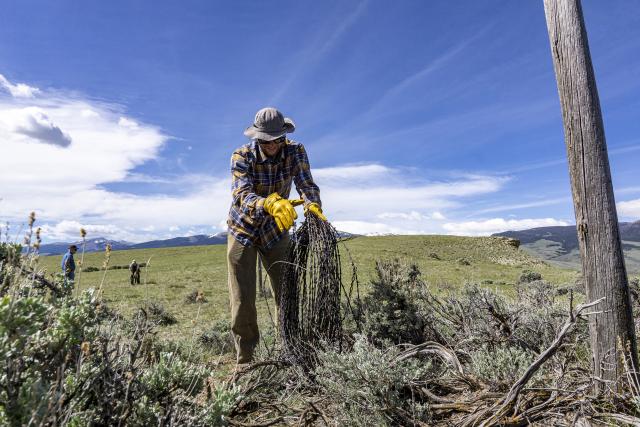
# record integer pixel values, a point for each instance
(262, 172)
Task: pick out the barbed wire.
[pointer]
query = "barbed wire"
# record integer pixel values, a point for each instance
(309, 308)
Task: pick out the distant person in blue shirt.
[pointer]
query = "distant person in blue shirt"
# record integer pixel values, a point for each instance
(68, 264)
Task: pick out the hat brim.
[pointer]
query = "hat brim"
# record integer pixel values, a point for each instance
(256, 133)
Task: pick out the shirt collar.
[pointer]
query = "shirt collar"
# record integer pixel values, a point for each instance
(261, 156)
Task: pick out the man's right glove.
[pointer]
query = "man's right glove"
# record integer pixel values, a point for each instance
(281, 210)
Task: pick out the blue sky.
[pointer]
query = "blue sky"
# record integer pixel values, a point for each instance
(418, 117)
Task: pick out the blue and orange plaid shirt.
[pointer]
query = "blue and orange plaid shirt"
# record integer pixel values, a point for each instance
(254, 176)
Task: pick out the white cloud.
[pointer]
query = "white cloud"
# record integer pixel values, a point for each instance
(89, 113)
(127, 123)
(376, 191)
(31, 124)
(66, 187)
(359, 172)
(533, 204)
(411, 216)
(69, 228)
(630, 208)
(19, 90)
(438, 216)
(373, 228)
(496, 225)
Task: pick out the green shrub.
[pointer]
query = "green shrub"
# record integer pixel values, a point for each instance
(156, 313)
(218, 338)
(389, 314)
(529, 276)
(195, 296)
(500, 366)
(365, 383)
(222, 400)
(170, 372)
(73, 361)
(536, 293)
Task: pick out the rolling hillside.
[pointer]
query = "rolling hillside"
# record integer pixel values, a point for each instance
(446, 262)
(560, 244)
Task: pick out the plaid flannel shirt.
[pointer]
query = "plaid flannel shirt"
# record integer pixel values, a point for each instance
(253, 177)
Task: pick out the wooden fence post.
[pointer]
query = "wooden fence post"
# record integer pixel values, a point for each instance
(611, 330)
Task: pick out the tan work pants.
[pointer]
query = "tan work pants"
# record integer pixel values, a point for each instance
(241, 261)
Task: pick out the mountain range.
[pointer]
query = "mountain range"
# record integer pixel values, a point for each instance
(100, 243)
(560, 244)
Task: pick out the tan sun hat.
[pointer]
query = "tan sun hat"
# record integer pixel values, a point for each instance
(269, 124)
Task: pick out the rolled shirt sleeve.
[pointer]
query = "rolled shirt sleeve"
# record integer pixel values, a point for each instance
(242, 188)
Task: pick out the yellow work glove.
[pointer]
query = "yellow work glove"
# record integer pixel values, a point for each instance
(316, 210)
(311, 207)
(281, 210)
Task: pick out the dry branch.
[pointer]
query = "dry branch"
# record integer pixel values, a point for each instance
(504, 405)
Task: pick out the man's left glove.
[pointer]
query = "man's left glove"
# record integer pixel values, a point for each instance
(281, 210)
(312, 207)
(315, 209)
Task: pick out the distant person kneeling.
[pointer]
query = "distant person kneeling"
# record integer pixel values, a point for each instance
(134, 269)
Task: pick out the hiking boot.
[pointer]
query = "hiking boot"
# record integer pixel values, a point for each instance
(244, 359)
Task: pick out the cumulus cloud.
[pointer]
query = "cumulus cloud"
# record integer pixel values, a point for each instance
(34, 124)
(630, 208)
(351, 173)
(68, 185)
(496, 225)
(411, 216)
(375, 193)
(371, 228)
(127, 123)
(19, 90)
(438, 216)
(68, 228)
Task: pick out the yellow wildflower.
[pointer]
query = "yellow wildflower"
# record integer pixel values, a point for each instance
(86, 348)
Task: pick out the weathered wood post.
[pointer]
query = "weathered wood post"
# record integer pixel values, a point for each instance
(612, 329)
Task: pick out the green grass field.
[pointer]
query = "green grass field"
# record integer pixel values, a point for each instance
(174, 273)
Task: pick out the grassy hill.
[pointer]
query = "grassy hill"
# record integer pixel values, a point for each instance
(172, 274)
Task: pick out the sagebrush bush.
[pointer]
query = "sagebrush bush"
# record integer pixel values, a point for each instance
(218, 338)
(364, 383)
(195, 296)
(528, 276)
(500, 366)
(157, 313)
(389, 314)
(73, 361)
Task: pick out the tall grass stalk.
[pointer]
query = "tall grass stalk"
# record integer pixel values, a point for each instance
(83, 234)
(105, 265)
(146, 276)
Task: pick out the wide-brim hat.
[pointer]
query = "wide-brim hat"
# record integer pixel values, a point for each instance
(269, 124)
